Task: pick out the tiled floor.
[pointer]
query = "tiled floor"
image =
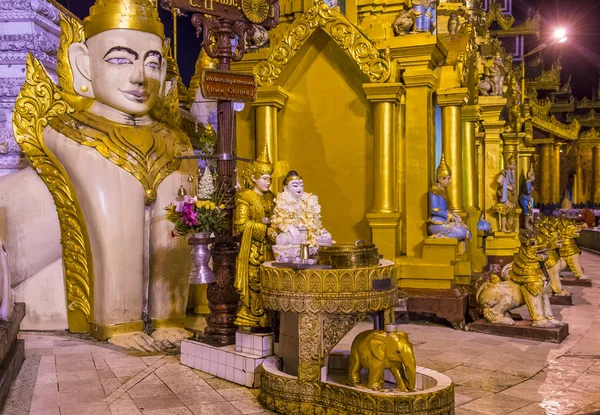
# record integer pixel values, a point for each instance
(494, 375)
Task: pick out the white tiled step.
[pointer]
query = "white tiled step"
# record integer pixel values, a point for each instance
(222, 362)
(252, 343)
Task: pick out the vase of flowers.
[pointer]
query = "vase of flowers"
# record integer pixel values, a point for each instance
(202, 217)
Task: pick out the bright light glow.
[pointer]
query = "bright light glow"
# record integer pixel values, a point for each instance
(560, 35)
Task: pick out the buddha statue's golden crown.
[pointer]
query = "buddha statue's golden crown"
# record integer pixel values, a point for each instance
(139, 15)
(443, 169)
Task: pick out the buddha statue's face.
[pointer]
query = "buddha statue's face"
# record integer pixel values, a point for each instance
(262, 183)
(295, 188)
(445, 181)
(125, 69)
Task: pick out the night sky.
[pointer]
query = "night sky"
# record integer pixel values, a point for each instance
(580, 54)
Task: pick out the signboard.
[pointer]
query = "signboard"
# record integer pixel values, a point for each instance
(262, 12)
(228, 86)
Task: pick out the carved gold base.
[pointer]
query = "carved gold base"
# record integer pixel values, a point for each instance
(443, 265)
(168, 322)
(502, 244)
(475, 245)
(287, 395)
(198, 292)
(103, 332)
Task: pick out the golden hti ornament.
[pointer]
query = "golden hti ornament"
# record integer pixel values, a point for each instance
(443, 169)
(139, 15)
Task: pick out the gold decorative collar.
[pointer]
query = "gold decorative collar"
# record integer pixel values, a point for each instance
(149, 152)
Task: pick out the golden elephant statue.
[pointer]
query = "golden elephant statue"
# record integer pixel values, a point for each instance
(377, 350)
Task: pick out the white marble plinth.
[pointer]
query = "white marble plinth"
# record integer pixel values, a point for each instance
(228, 363)
(260, 345)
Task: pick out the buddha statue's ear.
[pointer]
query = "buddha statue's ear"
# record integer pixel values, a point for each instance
(79, 58)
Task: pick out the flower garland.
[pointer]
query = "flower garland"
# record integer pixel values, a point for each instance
(293, 213)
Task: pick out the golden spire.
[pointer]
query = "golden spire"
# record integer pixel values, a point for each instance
(443, 169)
(123, 14)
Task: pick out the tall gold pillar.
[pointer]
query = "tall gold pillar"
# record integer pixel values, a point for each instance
(578, 184)
(420, 155)
(401, 172)
(596, 174)
(479, 136)
(269, 100)
(555, 175)
(491, 107)
(545, 170)
(470, 116)
(525, 154)
(451, 102)
(384, 217)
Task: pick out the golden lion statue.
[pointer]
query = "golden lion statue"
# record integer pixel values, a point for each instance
(524, 282)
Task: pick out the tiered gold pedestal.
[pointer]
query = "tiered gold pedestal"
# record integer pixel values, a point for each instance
(329, 303)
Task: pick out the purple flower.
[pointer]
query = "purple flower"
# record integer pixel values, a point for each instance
(188, 214)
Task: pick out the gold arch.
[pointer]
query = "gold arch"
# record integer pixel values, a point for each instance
(319, 16)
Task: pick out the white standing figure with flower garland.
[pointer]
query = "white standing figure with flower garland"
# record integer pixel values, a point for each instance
(297, 219)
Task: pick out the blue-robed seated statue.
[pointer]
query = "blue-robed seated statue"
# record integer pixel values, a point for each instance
(443, 223)
(526, 199)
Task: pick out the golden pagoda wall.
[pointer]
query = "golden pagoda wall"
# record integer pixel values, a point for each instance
(325, 132)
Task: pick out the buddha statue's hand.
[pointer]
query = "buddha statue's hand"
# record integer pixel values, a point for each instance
(265, 220)
(136, 340)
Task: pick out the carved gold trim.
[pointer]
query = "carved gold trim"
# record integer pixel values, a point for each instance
(289, 395)
(339, 28)
(552, 125)
(39, 101)
(71, 31)
(168, 322)
(103, 332)
(327, 290)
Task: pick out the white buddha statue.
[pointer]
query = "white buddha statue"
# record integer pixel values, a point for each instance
(297, 219)
(111, 168)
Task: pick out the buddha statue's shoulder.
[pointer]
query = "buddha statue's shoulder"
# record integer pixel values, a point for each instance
(249, 196)
(438, 191)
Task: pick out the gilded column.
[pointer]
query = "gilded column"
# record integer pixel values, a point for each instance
(596, 174)
(545, 169)
(418, 57)
(578, 197)
(479, 136)
(491, 107)
(420, 155)
(451, 102)
(470, 116)
(269, 100)
(384, 217)
(555, 175)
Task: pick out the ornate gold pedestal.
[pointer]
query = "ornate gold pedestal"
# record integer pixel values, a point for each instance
(444, 264)
(329, 303)
(502, 244)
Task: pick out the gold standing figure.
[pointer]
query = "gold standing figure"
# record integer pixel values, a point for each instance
(254, 207)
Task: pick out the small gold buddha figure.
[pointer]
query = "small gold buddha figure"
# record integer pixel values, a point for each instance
(254, 207)
(114, 166)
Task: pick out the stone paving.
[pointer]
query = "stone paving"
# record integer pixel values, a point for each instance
(493, 375)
